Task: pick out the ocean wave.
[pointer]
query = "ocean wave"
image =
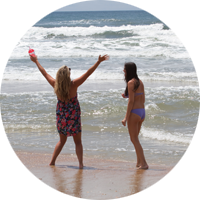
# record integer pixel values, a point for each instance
(39, 33)
(75, 23)
(28, 73)
(38, 94)
(125, 41)
(169, 76)
(181, 92)
(33, 75)
(162, 135)
(27, 128)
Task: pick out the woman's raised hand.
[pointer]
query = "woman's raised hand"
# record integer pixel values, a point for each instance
(33, 58)
(102, 58)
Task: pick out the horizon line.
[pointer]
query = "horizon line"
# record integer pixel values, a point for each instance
(101, 11)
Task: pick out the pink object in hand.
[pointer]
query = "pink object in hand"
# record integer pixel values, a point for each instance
(31, 52)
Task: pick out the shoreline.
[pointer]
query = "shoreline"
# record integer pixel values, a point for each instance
(99, 179)
(24, 86)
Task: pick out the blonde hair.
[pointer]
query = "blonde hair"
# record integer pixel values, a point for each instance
(63, 83)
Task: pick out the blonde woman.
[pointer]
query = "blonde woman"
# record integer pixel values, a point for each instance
(68, 113)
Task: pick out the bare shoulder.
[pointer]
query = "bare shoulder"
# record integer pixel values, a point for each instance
(141, 83)
(131, 83)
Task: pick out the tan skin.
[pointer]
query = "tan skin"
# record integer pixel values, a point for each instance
(73, 91)
(134, 121)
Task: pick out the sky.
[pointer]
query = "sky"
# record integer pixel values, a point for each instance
(92, 5)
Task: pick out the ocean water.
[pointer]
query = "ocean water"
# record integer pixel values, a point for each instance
(76, 39)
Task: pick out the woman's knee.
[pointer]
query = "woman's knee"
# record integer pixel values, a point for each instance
(63, 139)
(134, 139)
(78, 143)
(77, 139)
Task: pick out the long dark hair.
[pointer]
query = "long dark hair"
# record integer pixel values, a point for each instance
(131, 72)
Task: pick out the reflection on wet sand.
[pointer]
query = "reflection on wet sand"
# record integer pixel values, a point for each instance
(59, 179)
(67, 185)
(78, 177)
(136, 181)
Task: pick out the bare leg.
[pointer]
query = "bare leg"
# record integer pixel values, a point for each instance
(134, 127)
(79, 149)
(139, 128)
(58, 148)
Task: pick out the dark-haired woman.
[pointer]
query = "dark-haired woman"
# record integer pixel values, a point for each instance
(135, 114)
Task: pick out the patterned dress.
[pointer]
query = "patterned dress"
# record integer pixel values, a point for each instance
(68, 117)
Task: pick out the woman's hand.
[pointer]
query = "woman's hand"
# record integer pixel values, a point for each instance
(102, 58)
(123, 95)
(124, 121)
(33, 58)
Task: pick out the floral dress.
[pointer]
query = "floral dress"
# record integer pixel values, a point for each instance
(68, 117)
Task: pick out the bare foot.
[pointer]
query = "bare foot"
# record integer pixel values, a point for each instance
(81, 166)
(143, 167)
(138, 165)
(51, 164)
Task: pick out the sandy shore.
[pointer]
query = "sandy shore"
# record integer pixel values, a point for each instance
(100, 179)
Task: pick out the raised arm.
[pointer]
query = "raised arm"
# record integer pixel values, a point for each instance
(48, 77)
(81, 79)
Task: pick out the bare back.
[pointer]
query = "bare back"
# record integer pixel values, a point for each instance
(73, 90)
(139, 97)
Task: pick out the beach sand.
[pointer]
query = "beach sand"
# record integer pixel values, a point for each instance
(100, 179)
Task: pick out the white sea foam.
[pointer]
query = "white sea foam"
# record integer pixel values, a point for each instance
(123, 41)
(33, 74)
(26, 126)
(171, 91)
(82, 21)
(29, 73)
(152, 107)
(170, 76)
(162, 135)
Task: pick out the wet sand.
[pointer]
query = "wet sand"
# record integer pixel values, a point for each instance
(100, 179)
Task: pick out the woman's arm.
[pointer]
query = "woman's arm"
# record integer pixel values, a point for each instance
(49, 78)
(130, 102)
(82, 79)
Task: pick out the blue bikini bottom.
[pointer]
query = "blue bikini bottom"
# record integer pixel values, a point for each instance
(140, 112)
